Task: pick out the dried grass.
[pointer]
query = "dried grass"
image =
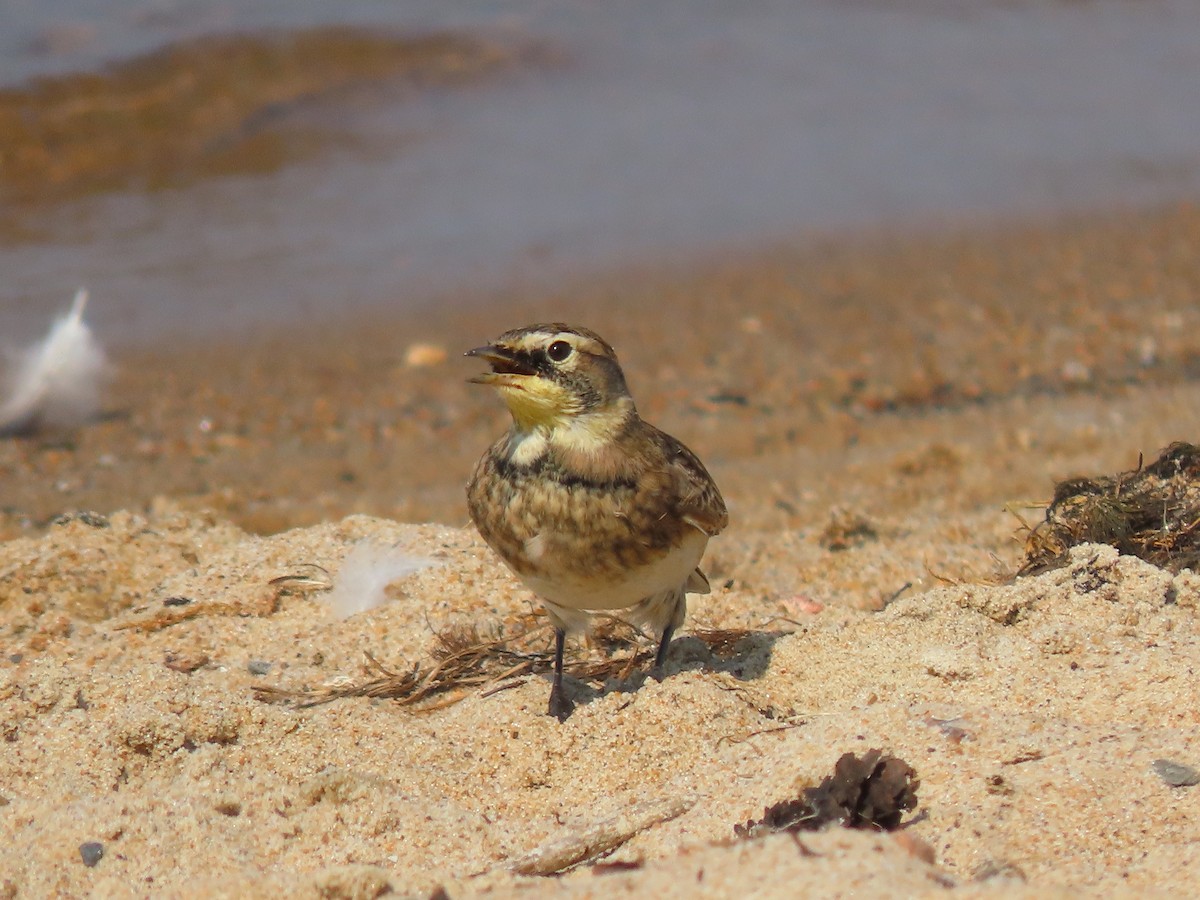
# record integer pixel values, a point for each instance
(466, 657)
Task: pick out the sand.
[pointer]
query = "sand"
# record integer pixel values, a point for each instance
(880, 412)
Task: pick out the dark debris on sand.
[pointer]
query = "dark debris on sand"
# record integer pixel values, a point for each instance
(1152, 512)
(872, 792)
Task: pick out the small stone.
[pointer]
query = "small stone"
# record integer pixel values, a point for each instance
(1176, 774)
(802, 605)
(91, 852)
(1075, 372)
(751, 325)
(418, 356)
(187, 663)
(1147, 352)
(258, 666)
(999, 785)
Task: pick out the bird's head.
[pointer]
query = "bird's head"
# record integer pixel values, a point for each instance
(555, 375)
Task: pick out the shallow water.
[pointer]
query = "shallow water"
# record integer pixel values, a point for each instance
(671, 127)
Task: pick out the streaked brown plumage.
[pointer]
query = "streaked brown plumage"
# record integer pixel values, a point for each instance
(593, 508)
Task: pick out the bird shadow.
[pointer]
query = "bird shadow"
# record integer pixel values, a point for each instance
(742, 654)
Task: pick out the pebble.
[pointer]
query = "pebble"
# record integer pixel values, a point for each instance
(1176, 774)
(258, 666)
(186, 662)
(91, 852)
(1075, 372)
(418, 356)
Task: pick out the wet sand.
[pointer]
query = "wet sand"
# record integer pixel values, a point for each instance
(869, 406)
(221, 104)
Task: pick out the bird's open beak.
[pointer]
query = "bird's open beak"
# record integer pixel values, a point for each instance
(505, 364)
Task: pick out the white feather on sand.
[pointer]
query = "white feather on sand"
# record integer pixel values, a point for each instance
(57, 382)
(366, 572)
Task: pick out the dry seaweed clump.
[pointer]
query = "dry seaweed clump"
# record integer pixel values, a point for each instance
(872, 791)
(1151, 512)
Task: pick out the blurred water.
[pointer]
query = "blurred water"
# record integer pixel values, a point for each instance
(676, 125)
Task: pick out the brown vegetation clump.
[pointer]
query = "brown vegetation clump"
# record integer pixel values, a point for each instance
(871, 791)
(1151, 512)
(845, 529)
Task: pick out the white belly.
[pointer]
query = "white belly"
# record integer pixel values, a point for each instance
(669, 572)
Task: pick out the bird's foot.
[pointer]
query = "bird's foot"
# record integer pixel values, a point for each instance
(561, 705)
(656, 670)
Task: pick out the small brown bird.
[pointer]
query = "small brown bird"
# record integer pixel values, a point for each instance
(592, 508)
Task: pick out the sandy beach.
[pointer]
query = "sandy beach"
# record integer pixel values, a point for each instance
(882, 413)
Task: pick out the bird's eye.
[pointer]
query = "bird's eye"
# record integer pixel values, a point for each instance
(558, 351)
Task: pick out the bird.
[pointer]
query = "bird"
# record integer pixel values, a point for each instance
(591, 507)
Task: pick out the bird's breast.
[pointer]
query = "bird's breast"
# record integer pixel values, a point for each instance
(585, 522)
(600, 586)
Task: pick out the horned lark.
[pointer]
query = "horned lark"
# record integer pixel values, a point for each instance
(591, 507)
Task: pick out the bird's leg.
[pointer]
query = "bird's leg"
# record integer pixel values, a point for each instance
(678, 611)
(661, 656)
(560, 705)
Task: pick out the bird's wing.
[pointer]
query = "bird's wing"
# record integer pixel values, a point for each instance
(699, 501)
(697, 583)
